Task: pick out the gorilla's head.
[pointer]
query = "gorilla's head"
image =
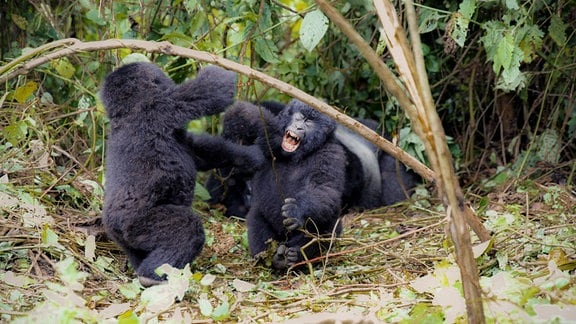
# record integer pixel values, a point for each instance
(127, 88)
(302, 129)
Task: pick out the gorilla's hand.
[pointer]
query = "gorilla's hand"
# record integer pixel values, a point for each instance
(285, 257)
(292, 215)
(253, 160)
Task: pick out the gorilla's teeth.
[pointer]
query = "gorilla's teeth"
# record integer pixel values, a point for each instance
(290, 142)
(293, 137)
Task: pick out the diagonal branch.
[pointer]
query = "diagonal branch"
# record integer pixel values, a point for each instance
(75, 46)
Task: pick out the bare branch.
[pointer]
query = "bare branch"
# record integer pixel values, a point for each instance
(74, 46)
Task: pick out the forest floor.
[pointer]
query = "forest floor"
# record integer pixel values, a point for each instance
(394, 264)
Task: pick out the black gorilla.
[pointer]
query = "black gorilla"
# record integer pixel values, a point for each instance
(373, 177)
(151, 161)
(300, 190)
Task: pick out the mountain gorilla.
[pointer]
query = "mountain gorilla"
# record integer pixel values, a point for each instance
(300, 189)
(151, 162)
(304, 147)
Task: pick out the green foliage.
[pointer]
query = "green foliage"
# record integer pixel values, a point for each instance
(461, 20)
(507, 46)
(312, 30)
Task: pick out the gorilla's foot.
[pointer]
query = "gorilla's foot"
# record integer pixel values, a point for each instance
(285, 257)
(149, 282)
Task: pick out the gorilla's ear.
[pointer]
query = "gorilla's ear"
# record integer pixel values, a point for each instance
(210, 93)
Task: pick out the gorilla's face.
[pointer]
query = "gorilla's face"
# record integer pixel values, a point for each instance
(304, 129)
(296, 132)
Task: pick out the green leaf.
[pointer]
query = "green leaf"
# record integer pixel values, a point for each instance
(467, 8)
(190, 5)
(512, 4)
(460, 30)
(504, 53)
(424, 313)
(21, 94)
(512, 79)
(461, 20)
(205, 307)
(200, 192)
(493, 32)
(129, 290)
(69, 274)
(428, 20)
(529, 39)
(221, 312)
(49, 237)
(64, 68)
(266, 49)
(124, 27)
(549, 146)
(557, 30)
(128, 318)
(313, 28)
(14, 133)
(19, 21)
(135, 57)
(94, 16)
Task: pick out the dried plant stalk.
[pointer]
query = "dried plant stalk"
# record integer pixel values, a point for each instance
(419, 107)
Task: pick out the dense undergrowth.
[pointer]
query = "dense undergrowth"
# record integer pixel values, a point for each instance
(512, 122)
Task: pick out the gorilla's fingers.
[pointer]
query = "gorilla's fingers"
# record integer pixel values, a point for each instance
(285, 257)
(292, 224)
(292, 218)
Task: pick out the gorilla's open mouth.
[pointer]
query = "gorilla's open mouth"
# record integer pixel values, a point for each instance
(290, 142)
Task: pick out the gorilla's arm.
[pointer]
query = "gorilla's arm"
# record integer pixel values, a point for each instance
(319, 200)
(210, 152)
(244, 122)
(210, 93)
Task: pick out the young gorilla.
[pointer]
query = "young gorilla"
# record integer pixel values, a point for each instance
(300, 190)
(151, 162)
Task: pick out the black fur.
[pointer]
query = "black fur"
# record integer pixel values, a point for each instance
(373, 177)
(300, 190)
(151, 161)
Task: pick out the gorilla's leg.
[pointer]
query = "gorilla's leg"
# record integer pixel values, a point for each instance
(259, 232)
(167, 234)
(397, 182)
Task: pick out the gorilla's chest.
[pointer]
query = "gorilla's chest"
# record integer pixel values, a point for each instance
(285, 177)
